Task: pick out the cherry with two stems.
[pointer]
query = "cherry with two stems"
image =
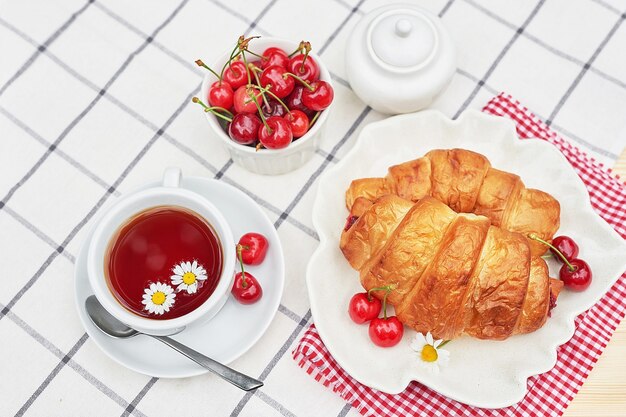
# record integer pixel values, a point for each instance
(575, 273)
(246, 289)
(386, 331)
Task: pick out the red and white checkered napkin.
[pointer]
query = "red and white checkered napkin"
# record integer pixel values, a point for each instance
(548, 393)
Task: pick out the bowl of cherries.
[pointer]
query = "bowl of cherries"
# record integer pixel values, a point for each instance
(267, 100)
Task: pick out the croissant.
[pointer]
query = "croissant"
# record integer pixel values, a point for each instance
(451, 273)
(466, 182)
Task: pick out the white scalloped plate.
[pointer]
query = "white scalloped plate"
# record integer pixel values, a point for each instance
(488, 374)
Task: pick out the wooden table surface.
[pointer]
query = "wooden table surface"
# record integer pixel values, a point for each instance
(604, 392)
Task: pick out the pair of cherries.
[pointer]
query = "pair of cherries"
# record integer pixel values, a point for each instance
(271, 101)
(251, 250)
(575, 273)
(384, 331)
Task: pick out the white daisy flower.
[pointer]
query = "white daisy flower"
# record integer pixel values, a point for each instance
(158, 298)
(186, 276)
(430, 354)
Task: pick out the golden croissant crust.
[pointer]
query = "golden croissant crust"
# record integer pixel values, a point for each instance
(466, 182)
(452, 273)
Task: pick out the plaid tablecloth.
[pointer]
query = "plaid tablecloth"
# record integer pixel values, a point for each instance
(95, 100)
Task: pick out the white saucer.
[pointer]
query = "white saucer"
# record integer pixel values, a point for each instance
(234, 330)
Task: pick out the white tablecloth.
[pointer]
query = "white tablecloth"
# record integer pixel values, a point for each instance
(95, 100)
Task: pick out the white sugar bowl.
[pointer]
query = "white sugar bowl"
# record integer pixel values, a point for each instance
(399, 57)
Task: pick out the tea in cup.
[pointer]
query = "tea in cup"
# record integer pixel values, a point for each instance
(162, 258)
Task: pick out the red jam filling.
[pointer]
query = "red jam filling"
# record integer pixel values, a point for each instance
(552, 304)
(350, 221)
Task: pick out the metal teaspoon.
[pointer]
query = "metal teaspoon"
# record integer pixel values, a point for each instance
(115, 328)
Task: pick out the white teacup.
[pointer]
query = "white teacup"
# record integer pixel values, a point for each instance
(168, 194)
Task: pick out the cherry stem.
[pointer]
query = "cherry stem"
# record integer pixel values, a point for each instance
(314, 119)
(203, 65)
(307, 49)
(242, 42)
(214, 110)
(268, 91)
(243, 55)
(387, 289)
(258, 81)
(244, 283)
(307, 85)
(257, 95)
(232, 56)
(571, 267)
(255, 54)
(298, 49)
(258, 106)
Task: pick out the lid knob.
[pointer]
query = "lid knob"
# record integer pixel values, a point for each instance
(403, 27)
(402, 39)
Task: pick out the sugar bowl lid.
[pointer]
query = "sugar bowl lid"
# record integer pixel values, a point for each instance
(399, 57)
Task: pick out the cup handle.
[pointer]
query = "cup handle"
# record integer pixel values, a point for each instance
(171, 177)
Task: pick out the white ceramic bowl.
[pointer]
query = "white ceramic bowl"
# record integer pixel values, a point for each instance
(269, 161)
(169, 194)
(399, 45)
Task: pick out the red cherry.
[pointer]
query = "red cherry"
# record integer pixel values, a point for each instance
(243, 102)
(254, 248)
(279, 136)
(307, 69)
(280, 84)
(362, 309)
(236, 74)
(386, 332)
(246, 290)
(244, 128)
(294, 101)
(274, 56)
(221, 95)
(319, 97)
(273, 108)
(578, 277)
(298, 121)
(566, 245)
